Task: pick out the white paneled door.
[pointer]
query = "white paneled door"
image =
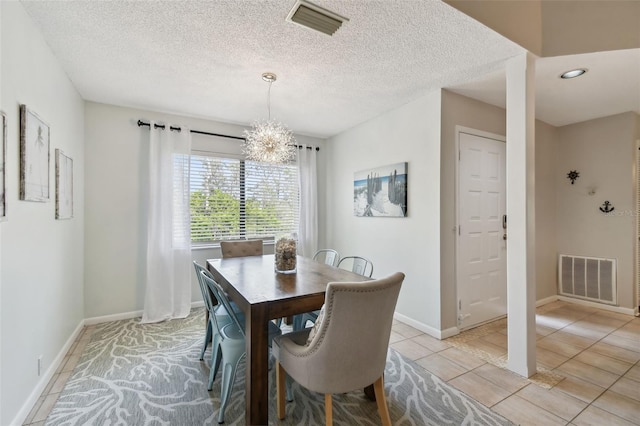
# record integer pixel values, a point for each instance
(482, 230)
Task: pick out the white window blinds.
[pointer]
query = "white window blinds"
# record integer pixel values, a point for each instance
(237, 199)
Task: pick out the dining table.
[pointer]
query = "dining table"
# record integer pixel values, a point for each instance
(263, 295)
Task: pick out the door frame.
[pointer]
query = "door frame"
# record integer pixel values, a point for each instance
(488, 135)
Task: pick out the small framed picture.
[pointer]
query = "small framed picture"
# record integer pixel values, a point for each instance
(64, 186)
(34, 156)
(3, 165)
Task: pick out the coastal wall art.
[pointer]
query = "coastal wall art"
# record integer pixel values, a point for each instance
(34, 156)
(64, 186)
(381, 191)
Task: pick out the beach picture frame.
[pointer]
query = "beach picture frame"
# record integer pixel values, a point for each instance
(64, 186)
(34, 156)
(381, 191)
(3, 166)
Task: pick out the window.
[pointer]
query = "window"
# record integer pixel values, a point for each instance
(237, 199)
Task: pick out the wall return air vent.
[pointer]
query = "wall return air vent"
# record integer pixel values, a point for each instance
(315, 17)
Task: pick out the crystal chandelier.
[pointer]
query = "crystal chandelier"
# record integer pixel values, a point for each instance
(269, 141)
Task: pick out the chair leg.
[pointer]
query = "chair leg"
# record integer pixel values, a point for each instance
(207, 339)
(216, 357)
(328, 409)
(280, 391)
(288, 383)
(228, 377)
(297, 322)
(378, 387)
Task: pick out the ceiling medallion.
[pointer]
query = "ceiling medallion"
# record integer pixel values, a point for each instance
(268, 141)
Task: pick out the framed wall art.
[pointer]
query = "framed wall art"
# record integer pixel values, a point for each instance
(381, 191)
(3, 165)
(34, 156)
(64, 186)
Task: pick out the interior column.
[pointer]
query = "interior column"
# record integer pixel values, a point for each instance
(521, 278)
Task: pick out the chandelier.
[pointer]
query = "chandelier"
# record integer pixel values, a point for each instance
(269, 141)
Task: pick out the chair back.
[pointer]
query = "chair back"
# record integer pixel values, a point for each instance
(206, 295)
(327, 256)
(222, 298)
(359, 265)
(353, 337)
(241, 248)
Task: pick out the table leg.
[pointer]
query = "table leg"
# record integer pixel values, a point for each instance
(257, 378)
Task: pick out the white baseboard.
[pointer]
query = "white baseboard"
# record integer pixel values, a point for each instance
(546, 300)
(113, 317)
(431, 331)
(126, 315)
(452, 331)
(603, 306)
(618, 309)
(46, 377)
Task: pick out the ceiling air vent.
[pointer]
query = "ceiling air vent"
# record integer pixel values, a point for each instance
(315, 17)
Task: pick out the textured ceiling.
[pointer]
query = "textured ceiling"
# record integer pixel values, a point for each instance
(610, 86)
(205, 58)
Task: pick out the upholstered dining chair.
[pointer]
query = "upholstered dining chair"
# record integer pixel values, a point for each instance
(231, 346)
(359, 265)
(327, 256)
(241, 248)
(347, 347)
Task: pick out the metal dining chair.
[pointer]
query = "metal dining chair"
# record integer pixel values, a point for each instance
(327, 256)
(231, 347)
(219, 311)
(359, 265)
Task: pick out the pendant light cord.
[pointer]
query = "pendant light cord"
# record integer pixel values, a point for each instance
(269, 100)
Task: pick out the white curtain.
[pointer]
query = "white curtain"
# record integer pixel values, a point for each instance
(307, 176)
(168, 277)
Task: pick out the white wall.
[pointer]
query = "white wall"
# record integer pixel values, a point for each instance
(42, 258)
(546, 210)
(115, 218)
(0, 235)
(459, 110)
(411, 245)
(603, 152)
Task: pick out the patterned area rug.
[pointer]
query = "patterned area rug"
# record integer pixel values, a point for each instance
(150, 374)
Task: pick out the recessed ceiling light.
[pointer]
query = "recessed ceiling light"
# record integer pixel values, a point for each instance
(573, 73)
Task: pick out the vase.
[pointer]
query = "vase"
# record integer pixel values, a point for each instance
(285, 255)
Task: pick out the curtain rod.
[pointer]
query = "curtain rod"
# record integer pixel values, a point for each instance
(200, 132)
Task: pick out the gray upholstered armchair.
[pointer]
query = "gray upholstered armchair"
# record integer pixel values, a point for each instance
(347, 348)
(241, 248)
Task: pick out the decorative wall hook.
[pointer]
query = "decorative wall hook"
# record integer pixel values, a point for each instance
(607, 207)
(573, 175)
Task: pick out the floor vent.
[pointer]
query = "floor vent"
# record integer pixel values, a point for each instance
(589, 278)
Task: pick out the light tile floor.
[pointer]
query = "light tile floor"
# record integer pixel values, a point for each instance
(597, 351)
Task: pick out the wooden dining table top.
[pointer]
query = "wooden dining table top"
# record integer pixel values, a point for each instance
(253, 280)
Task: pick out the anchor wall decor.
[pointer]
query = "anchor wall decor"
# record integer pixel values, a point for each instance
(607, 207)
